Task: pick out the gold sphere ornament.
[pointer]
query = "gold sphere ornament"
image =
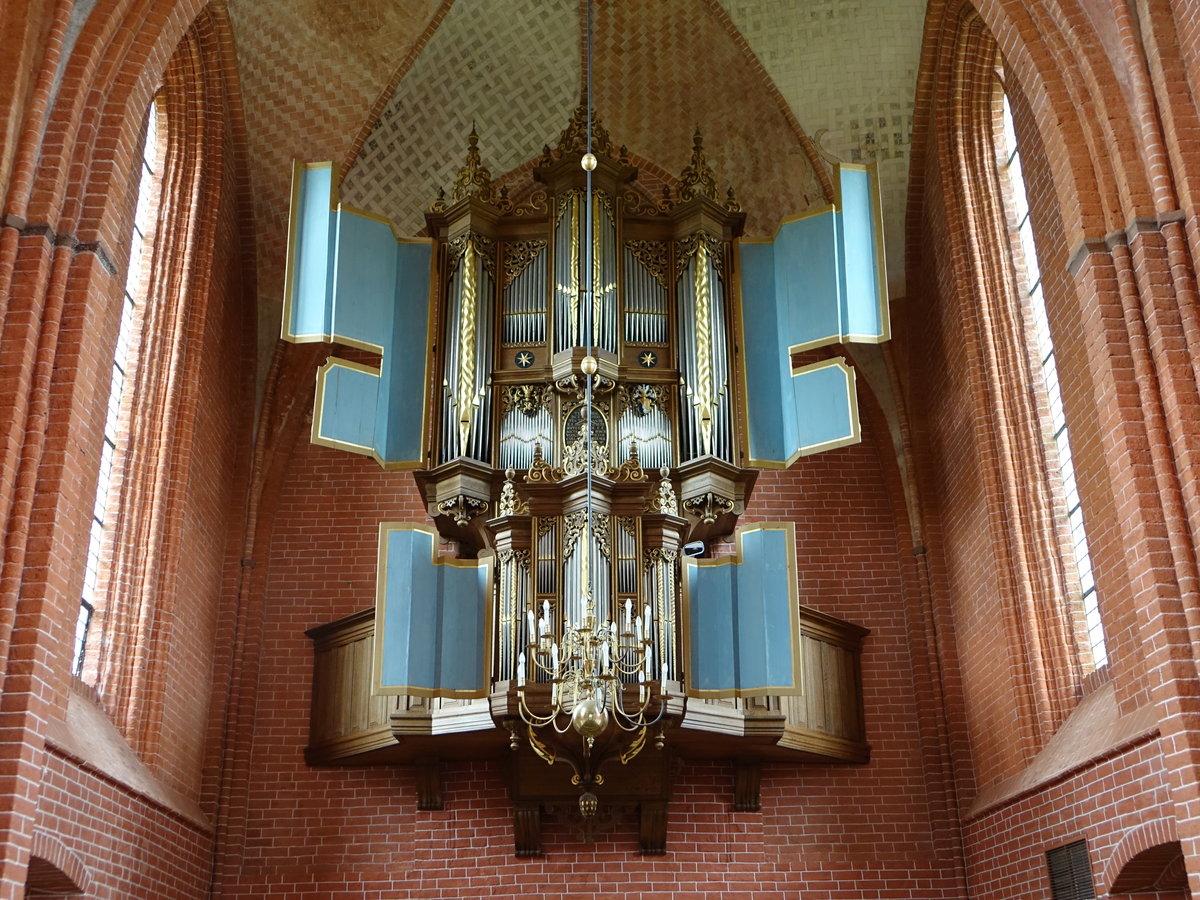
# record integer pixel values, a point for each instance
(588, 803)
(589, 365)
(589, 717)
(588, 162)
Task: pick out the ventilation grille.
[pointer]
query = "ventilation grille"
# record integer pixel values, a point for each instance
(1070, 873)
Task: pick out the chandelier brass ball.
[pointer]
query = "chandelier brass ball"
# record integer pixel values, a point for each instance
(588, 803)
(589, 717)
(588, 162)
(588, 365)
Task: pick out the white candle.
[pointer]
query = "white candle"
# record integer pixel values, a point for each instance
(520, 670)
(532, 626)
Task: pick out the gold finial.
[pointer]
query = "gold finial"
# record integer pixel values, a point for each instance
(573, 140)
(731, 202)
(664, 500)
(474, 178)
(698, 179)
(510, 503)
(439, 203)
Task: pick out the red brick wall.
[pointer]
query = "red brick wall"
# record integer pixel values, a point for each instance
(1119, 318)
(1107, 130)
(131, 847)
(308, 832)
(72, 184)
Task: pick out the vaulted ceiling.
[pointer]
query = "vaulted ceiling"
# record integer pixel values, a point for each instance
(389, 91)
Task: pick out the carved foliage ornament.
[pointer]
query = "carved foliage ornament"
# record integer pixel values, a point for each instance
(708, 507)
(698, 179)
(529, 399)
(652, 255)
(517, 257)
(485, 249)
(664, 499)
(686, 248)
(573, 139)
(642, 399)
(511, 503)
(474, 178)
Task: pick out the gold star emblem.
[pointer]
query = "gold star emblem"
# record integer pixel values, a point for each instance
(524, 359)
(648, 360)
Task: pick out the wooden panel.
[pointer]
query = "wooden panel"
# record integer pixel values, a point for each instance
(828, 715)
(347, 719)
(351, 725)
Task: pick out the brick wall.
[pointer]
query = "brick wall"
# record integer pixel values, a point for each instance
(308, 832)
(1119, 319)
(971, 776)
(73, 792)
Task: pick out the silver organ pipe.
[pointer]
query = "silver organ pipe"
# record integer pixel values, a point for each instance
(645, 303)
(469, 350)
(703, 361)
(569, 313)
(645, 421)
(567, 288)
(606, 275)
(527, 423)
(524, 309)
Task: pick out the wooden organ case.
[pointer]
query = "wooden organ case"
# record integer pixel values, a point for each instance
(507, 452)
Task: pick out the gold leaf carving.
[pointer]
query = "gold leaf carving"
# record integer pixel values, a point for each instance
(517, 257)
(653, 255)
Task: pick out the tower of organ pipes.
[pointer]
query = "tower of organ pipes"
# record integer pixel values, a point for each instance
(693, 390)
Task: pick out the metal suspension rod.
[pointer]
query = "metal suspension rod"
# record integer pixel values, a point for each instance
(589, 282)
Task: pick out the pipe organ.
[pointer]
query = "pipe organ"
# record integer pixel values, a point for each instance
(504, 451)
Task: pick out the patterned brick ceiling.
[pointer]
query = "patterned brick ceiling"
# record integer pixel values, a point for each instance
(392, 88)
(847, 69)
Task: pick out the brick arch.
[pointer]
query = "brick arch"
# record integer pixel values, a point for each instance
(55, 869)
(95, 113)
(1078, 102)
(1145, 859)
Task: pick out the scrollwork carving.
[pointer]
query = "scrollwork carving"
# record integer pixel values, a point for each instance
(653, 255)
(540, 470)
(529, 399)
(631, 469)
(462, 509)
(708, 507)
(517, 257)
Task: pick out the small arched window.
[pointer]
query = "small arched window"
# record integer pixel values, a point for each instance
(1034, 308)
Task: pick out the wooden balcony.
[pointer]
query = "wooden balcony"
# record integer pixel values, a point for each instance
(352, 726)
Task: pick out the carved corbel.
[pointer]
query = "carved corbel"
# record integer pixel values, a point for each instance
(746, 781)
(462, 509)
(527, 829)
(652, 834)
(429, 786)
(708, 507)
